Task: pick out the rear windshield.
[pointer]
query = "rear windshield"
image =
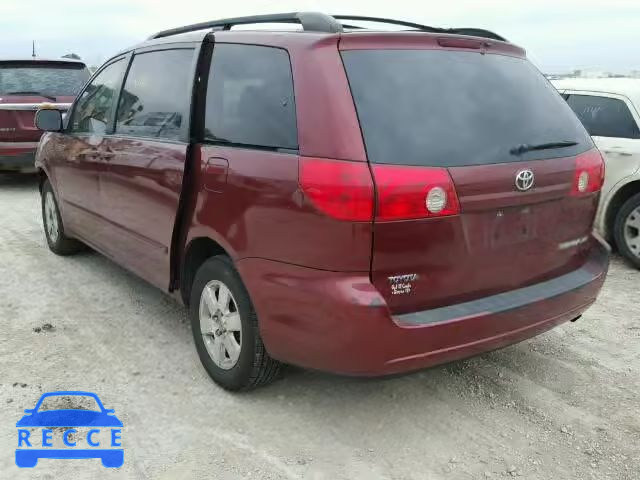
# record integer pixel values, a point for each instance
(52, 79)
(443, 108)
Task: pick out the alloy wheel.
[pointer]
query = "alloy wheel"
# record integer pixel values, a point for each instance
(51, 217)
(632, 231)
(220, 324)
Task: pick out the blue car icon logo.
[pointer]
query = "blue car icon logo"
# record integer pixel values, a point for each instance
(103, 429)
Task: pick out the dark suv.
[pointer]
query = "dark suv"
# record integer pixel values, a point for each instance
(342, 199)
(25, 86)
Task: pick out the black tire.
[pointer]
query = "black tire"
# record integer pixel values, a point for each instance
(631, 254)
(254, 366)
(60, 244)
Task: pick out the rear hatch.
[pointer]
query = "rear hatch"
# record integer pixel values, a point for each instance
(476, 161)
(25, 86)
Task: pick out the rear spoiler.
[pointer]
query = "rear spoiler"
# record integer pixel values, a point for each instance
(32, 107)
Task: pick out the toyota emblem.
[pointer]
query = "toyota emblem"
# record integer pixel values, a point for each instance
(524, 180)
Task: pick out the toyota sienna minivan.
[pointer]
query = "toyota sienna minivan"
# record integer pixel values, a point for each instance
(343, 199)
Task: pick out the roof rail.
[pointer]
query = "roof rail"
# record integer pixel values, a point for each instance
(389, 22)
(319, 22)
(476, 32)
(310, 21)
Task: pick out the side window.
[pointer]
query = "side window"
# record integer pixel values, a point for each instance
(156, 96)
(93, 110)
(250, 97)
(604, 116)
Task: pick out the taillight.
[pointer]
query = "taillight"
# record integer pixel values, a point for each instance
(338, 188)
(589, 174)
(414, 192)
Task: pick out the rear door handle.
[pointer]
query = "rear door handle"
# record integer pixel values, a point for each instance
(215, 174)
(107, 153)
(88, 154)
(616, 152)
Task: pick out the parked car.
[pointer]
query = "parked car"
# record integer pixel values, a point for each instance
(25, 86)
(609, 108)
(360, 202)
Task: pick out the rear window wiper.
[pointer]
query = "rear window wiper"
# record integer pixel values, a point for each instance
(525, 147)
(29, 92)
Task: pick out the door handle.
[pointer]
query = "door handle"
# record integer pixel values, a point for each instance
(215, 174)
(616, 152)
(88, 154)
(107, 153)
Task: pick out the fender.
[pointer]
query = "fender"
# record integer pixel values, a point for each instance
(605, 202)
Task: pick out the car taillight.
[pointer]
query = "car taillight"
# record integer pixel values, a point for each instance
(338, 188)
(589, 174)
(406, 192)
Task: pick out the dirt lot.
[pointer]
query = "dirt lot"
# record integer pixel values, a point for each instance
(565, 405)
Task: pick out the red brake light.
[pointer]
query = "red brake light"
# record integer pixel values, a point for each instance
(589, 174)
(414, 192)
(339, 188)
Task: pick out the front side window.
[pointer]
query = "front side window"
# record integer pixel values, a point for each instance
(156, 95)
(250, 98)
(93, 111)
(604, 116)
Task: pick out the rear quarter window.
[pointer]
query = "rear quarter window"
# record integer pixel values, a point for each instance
(250, 99)
(604, 116)
(446, 108)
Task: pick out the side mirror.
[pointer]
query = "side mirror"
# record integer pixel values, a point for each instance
(29, 410)
(109, 411)
(49, 120)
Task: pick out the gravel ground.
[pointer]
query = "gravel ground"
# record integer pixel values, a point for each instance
(564, 405)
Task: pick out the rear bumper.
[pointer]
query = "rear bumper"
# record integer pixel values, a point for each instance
(339, 322)
(18, 157)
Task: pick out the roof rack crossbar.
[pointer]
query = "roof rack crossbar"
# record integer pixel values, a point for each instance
(310, 21)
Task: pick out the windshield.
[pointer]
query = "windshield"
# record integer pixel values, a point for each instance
(52, 79)
(69, 402)
(444, 108)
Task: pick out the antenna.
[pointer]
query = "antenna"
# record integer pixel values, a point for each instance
(33, 48)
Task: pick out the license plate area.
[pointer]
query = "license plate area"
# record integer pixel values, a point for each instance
(512, 226)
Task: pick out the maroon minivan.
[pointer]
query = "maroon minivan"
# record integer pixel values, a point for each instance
(25, 86)
(342, 199)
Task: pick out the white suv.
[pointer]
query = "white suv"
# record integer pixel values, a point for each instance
(609, 108)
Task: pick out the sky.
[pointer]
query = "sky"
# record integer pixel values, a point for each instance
(559, 35)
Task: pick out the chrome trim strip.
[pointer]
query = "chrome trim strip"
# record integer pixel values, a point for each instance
(34, 106)
(19, 144)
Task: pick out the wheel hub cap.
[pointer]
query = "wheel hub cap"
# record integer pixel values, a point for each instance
(220, 324)
(632, 231)
(51, 217)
